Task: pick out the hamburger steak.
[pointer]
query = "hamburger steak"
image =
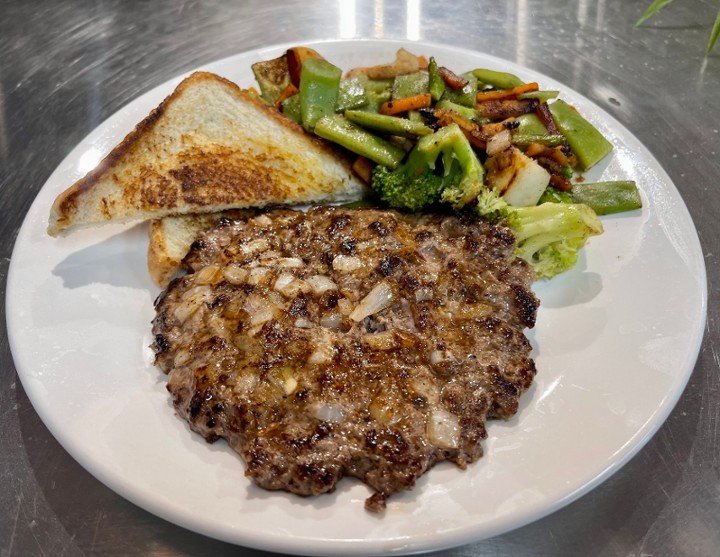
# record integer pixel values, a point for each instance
(340, 342)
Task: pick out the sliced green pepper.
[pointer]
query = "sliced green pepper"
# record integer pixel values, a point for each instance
(497, 80)
(340, 130)
(584, 139)
(608, 197)
(409, 85)
(351, 93)
(530, 124)
(319, 87)
(391, 125)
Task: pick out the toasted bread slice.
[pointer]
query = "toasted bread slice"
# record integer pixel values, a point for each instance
(208, 147)
(171, 239)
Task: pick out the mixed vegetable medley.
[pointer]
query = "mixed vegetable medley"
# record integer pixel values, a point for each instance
(482, 141)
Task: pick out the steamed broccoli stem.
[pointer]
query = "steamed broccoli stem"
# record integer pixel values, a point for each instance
(420, 181)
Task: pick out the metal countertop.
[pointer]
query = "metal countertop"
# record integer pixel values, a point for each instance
(65, 66)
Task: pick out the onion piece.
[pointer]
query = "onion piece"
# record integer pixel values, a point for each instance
(346, 263)
(283, 280)
(345, 306)
(289, 384)
(380, 341)
(380, 297)
(332, 413)
(321, 355)
(262, 220)
(499, 142)
(331, 321)
(440, 356)
(259, 309)
(290, 262)
(443, 429)
(262, 316)
(295, 287)
(257, 275)
(192, 300)
(383, 409)
(255, 246)
(423, 294)
(208, 275)
(234, 275)
(321, 284)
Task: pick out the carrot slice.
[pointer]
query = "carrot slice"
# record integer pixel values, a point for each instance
(535, 149)
(499, 94)
(415, 102)
(546, 118)
(289, 91)
(473, 132)
(560, 183)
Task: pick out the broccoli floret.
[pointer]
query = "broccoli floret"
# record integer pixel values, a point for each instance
(420, 181)
(548, 236)
(405, 189)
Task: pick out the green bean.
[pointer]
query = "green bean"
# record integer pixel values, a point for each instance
(549, 140)
(584, 139)
(497, 80)
(436, 84)
(608, 197)
(340, 130)
(391, 125)
(319, 86)
(543, 95)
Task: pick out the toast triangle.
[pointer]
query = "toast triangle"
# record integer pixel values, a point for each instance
(207, 147)
(171, 238)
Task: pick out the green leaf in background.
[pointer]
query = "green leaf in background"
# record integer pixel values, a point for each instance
(658, 5)
(714, 34)
(652, 9)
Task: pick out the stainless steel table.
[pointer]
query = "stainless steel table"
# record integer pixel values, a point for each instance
(67, 65)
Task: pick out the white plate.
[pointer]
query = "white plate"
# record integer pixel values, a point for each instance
(615, 343)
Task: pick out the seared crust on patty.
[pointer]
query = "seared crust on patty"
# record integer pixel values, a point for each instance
(339, 342)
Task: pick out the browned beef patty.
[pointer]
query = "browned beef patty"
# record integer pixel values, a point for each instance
(339, 342)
